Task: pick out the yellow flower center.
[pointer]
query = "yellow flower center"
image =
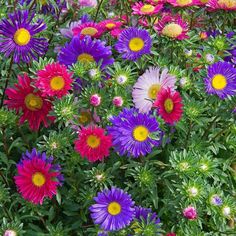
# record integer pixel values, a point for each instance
(22, 37)
(114, 208)
(85, 117)
(38, 179)
(33, 102)
(227, 3)
(219, 82)
(204, 1)
(43, 2)
(89, 31)
(136, 44)
(153, 91)
(93, 141)
(110, 25)
(183, 2)
(57, 83)
(169, 105)
(172, 30)
(85, 58)
(147, 8)
(140, 133)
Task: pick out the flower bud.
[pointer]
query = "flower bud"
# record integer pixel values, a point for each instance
(190, 213)
(95, 100)
(117, 101)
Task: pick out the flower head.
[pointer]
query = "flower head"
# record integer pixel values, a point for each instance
(86, 51)
(109, 25)
(133, 43)
(183, 3)
(113, 209)
(95, 100)
(140, 8)
(221, 79)
(34, 106)
(169, 105)
(54, 80)
(134, 133)
(88, 29)
(37, 178)
(93, 144)
(228, 5)
(190, 213)
(216, 200)
(172, 26)
(17, 37)
(146, 214)
(148, 85)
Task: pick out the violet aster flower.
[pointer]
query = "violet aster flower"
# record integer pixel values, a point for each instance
(216, 200)
(85, 51)
(146, 214)
(133, 43)
(221, 79)
(134, 133)
(113, 209)
(17, 37)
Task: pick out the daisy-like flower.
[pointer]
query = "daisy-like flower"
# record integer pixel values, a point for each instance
(110, 24)
(169, 105)
(148, 86)
(86, 51)
(37, 178)
(113, 210)
(172, 26)
(228, 5)
(140, 8)
(133, 43)
(91, 29)
(24, 98)
(54, 80)
(134, 133)
(221, 79)
(182, 3)
(93, 144)
(142, 213)
(17, 37)
(155, 2)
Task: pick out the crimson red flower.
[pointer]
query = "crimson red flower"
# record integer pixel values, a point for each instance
(93, 144)
(169, 105)
(54, 80)
(23, 98)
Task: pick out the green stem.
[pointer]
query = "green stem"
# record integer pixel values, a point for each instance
(98, 9)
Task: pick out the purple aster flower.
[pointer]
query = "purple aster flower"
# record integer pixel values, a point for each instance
(134, 133)
(113, 209)
(17, 37)
(86, 50)
(146, 214)
(102, 233)
(234, 110)
(221, 79)
(216, 200)
(133, 43)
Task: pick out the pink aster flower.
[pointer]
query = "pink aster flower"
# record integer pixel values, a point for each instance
(93, 144)
(89, 28)
(116, 32)
(54, 80)
(88, 3)
(155, 2)
(139, 8)
(110, 24)
(228, 5)
(182, 3)
(37, 178)
(190, 213)
(95, 100)
(172, 26)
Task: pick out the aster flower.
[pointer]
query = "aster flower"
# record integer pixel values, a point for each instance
(148, 86)
(37, 178)
(113, 209)
(155, 2)
(91, 29)
(93, 144)
(133, 43)
(54, 80)
(110, 24)
(134, 133)
(227, 5)
(86, 51)
(140, 8)
(34, 107)
(221, 79)
(216, 200)
(169, 105)
(182, 3)
(146, 214)
(172, 26)
(17, 37)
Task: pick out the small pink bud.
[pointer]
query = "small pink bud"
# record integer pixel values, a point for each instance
(10, 233)
(95, 100)
(117, 101)
(170, 234)
(190, 213)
